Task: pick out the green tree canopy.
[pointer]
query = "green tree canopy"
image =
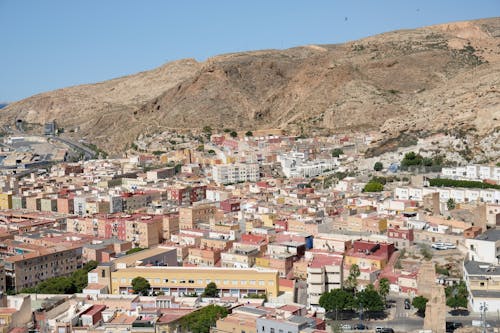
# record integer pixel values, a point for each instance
(352, 279)
(233, 134)
(419, 303)
(140, 285)
(336, 300)
(378, 166)
(384, 288)
(411, 159)
(211, 290)
(201, 320)
(249, 133)
(373, 186)
(370, 299)
(457, 295)
(337, 152)
(451, 204)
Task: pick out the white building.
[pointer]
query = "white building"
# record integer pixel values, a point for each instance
(235, 173)
(483, 282)
(485, 247)
(472, 172)
(296, 165)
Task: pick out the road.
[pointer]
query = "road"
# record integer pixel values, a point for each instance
(89, 153)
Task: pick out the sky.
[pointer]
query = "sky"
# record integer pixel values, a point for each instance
(50, 44)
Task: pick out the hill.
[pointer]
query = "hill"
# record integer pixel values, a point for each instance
(419, 82)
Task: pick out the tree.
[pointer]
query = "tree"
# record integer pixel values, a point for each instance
(373, 186)
(337, 152)
(378, 166)
(336, 300)
(249, 133)
(207, 130)
(352, 279)
(456, 296)
(201, 320)
(419, 303)
(233, 134)
(411, 159)
(383, 288)
(140, 285)
(370, 299)
(451, 204)
(211, 290)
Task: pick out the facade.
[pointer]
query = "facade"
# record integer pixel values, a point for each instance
(178, 281)
(483, 282)
(485, 247)
(29, 269)
(324, 273)
(235, 173)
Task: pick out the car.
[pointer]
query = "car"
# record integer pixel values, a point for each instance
(346, 327)
(384, 330)
(360, 327)
(452, 326)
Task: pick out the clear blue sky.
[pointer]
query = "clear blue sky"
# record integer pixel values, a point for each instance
(51, 44)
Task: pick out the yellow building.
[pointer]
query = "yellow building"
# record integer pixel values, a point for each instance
(262, 262)
(178, 281)
(5, 201)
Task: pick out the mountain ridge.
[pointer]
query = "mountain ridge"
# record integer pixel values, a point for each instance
(422, 81)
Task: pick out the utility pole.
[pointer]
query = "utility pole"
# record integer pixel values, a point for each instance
(483, 308)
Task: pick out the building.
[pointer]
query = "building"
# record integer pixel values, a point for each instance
(235, 173)
(324, 273)
(401, 237)
(190, 217)
(483, 282)
(30, 268)
(178, 281)
(485, 247)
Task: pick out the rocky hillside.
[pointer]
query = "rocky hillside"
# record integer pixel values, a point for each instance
(423, 81)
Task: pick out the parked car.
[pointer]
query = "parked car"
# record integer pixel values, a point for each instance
(443, 246)
(346, 327)
(360, 327)
(452, 326)
(384, 330)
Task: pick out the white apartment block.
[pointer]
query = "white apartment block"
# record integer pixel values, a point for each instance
(235, 173)
(472, 172)
(460, 195)
(485, 247)
(295, 165)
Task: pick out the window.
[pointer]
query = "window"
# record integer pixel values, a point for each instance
(226, 281)
(270, 282)
(261, 282)
(252, 281)
(165, 280)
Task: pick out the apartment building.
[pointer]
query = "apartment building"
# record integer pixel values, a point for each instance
(235, 173)
(5, 201)
(472, 172)
(186, 194)
(190, 217)
(483, 282)
(170, 225)
(485, 247)
(144, 230)
(370, 257)
(30, 268)
(178, 281)
(324, 273)
(400, 237)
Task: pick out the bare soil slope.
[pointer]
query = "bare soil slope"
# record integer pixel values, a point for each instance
(427, 80)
